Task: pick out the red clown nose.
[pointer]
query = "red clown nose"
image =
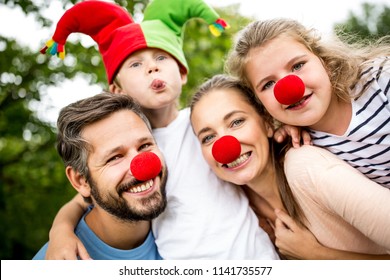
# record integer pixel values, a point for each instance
(226, 149)
(145, 166)
(289, 90)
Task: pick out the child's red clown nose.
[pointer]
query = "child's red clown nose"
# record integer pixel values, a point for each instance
(226, 149)
(145, 166)
(289, 90)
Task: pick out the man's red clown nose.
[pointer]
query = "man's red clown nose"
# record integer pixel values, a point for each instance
(289, 90)
(226, 149)
(145, 166)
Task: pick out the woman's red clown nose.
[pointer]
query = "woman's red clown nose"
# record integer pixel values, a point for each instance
(289, 90)
(145, 166)
(226, 149)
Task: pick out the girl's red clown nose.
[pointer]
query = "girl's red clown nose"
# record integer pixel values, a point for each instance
(289, 90)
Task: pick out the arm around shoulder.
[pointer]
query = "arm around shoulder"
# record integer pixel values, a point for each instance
(63, 243)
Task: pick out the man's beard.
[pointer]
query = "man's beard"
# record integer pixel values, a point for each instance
(148, 208)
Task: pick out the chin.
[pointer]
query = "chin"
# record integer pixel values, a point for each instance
(237, 182)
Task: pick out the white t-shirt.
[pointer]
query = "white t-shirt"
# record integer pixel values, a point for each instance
(206, 218)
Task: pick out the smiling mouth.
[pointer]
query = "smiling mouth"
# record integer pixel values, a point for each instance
(142, 187)
(299, 102)
(136, 186)
(238, 161)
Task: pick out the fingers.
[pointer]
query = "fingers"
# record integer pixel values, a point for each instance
(295, 134)
(279, 225)
(271, 224)
(286, 220)
(280, 134)
(306, 138)
(82, 252)
(285, 131)
(65, 254)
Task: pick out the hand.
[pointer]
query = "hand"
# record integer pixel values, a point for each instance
(268, 228)
(297, 135)
(293, 240)
(66, 248)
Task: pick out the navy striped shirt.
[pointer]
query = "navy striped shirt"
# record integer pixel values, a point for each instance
(366, 143)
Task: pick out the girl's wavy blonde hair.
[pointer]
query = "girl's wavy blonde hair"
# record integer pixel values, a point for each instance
(344, 62)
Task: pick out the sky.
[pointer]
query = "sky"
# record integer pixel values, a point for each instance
(317, 14)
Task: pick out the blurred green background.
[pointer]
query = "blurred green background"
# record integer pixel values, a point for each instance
(33, 185)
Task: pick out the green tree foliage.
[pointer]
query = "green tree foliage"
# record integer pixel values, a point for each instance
(205, 53)
(372, 23)
(33, 185)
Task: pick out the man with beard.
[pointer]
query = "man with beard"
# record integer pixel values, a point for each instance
(98, 139)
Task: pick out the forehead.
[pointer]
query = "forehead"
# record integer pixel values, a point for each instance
(225, 97)
(124, 125)
(213, 106)
(148, 51)
(278, 45)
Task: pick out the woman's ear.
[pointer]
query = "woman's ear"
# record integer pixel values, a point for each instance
(78, 181)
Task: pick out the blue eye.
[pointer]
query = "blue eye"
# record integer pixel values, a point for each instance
(135, 64)
(161, 57)
(298, 66)
(237, 122)
(268, 85)
(207, 139)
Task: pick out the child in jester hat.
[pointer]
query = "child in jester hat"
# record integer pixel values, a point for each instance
(205, 218)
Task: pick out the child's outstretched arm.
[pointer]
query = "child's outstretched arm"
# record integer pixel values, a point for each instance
(297, 134)
(63, 243)
(297, 242)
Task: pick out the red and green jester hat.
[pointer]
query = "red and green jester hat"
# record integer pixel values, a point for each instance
(118, 36)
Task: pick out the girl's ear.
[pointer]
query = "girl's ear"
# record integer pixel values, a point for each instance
(78, 181)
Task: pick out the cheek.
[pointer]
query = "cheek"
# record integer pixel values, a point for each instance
(113, 175)
(266, 96)
(318, 76)
(270, 103)
(208, 156)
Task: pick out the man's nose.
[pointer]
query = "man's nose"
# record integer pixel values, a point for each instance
(145, 166)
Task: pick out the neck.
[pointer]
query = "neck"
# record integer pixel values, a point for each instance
(264, 195)
(117, 233)
(340, 113)
(161, 117)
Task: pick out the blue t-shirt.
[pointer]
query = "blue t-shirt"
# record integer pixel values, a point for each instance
(98, 250)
